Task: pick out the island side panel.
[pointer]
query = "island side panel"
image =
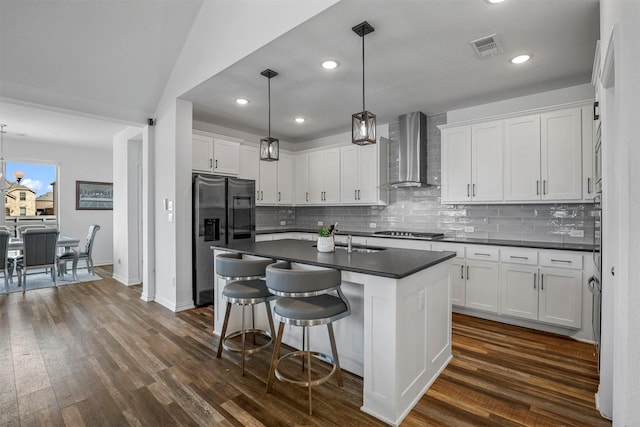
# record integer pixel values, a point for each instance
(407, 340)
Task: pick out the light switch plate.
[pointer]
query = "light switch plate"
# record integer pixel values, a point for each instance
(469, 229)
(170, 205)
(320, 223)
(372, 225)
(576, 233)
(170, 217)
(283, 222)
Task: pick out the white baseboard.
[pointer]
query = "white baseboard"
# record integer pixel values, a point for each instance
(175, 307)
(125, 281)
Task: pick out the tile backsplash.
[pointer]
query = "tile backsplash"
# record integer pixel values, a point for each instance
(419, 209)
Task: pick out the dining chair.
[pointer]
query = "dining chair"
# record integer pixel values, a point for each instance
(39, 251)
(21, 228)
(74, 256)
(4, 257)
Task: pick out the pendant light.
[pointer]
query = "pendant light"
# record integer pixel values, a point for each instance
(269, 147)
(363, 124)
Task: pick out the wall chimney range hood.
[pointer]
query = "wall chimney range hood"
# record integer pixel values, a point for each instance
(411, 167)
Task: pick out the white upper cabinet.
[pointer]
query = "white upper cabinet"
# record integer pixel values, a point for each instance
(285, 179)
(202, 153)
(588, 187)
(301, 179)
(226, 156)
(324, 177)
(561, 154)
(472, 163)
(456, 164)
(522, 158)
(360, 174)
(215, 154)
(486, 162)
(249, 163)
(267, 184)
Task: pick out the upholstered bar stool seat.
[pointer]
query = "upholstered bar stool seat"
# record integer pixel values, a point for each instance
(308, 298)
(245, 288)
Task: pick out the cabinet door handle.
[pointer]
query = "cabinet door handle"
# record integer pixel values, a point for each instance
(279, 198)
(467, 272)
(541, 282)
(561, 260)
(534, 280)
(358, 194)
(473, 193)
(468, 193)
(518, 257)
(537, 188)
(480, 253)
(216, 163)
(355, 194)
(258, 195)
(544, 186)
(588, 185)
(596, 116)
(462, 271)
(210, 163)
(261, 195)
(306, 196)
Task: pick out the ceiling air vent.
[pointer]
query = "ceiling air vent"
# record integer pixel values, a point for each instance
(487, 46)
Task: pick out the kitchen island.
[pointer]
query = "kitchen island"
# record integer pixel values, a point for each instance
(398, 336)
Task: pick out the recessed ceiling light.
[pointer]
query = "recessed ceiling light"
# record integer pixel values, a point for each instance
(495, 1)
(242, 101)
(299, 119)
(329, 65)
(520, 59)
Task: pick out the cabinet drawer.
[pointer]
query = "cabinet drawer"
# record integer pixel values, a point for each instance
(561, 260)
(484, 253)
(452, 247)
(519, 256)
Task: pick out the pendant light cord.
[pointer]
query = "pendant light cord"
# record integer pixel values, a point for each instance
(363, 73)
(269, 95)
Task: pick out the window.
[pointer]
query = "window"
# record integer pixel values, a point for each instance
(29, 190)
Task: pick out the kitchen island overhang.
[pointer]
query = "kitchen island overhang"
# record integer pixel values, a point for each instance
(398, 337)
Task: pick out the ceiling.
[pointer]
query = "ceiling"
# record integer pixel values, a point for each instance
(106, 59)
(418, 58)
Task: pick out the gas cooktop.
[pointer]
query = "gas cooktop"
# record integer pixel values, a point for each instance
(409, 234)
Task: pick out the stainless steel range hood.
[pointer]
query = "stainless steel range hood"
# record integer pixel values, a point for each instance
(411, 167)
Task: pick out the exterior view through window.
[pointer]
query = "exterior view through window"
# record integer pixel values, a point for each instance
(29, 194)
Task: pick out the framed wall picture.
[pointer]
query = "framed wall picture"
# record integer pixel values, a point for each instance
(94, 195)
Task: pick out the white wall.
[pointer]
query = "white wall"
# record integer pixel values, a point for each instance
(247, 137)
(127, 154)
(218, 39)
(539, 100)
(75, 164)
(622, 317)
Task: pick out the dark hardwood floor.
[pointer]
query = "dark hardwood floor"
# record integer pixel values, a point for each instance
(95, 354)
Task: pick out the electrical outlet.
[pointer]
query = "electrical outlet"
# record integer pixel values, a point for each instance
(372, 225)
(170, 217)
(283, 222)
(421, 300)
(320, 223)
(170, 205)
(469, 228)
(576, 233)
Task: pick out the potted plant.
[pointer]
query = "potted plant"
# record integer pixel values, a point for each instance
(325, 239)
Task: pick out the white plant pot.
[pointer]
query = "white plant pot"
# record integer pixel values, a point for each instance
(326, 244)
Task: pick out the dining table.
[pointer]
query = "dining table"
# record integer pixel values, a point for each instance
(15, 243)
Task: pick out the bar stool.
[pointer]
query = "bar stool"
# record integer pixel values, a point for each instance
(247, 288)
(306, 302)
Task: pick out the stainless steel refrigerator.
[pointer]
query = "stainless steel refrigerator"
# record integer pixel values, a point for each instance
(223, 213)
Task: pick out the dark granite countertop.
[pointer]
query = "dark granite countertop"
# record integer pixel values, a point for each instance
(390, 262)
(493, 242)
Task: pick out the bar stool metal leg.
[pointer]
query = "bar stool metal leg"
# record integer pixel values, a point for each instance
(309, 370)
(275, 357)
(224, 329)
(334, 350)
(243, 341)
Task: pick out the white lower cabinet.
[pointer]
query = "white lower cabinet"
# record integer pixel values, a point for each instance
(482, 279)
(547, 294)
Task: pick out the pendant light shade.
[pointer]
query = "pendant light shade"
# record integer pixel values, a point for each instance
(363, 124)
(269, 147)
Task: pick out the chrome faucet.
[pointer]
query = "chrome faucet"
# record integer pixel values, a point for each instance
(349, 248)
